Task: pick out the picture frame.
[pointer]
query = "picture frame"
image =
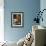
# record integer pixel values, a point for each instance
(17, 19)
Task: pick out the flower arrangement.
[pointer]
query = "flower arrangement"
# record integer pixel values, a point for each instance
(39, 16)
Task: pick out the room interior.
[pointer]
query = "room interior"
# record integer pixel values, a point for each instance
(16, 34)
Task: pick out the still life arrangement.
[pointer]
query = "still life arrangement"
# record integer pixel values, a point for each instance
(39, 16)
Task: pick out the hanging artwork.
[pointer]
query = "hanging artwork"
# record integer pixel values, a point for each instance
(17, 19)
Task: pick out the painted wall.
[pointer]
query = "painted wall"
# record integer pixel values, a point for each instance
(29, 7)
(43, 6)
(1, 20)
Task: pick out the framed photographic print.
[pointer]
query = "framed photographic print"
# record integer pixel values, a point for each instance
(17, 19)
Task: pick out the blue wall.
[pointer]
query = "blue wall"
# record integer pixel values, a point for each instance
(29, 7)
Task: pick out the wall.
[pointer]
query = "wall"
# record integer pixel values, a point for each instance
(29, 7)
(43, 6)
(1, 20)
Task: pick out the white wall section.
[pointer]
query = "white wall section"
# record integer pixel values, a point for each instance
(1, 20)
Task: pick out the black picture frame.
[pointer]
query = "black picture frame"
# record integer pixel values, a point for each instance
(17, 19)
